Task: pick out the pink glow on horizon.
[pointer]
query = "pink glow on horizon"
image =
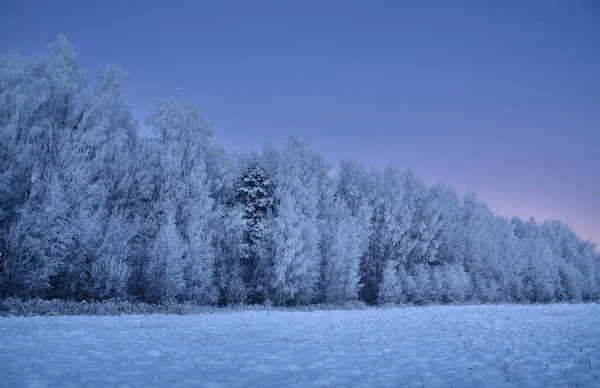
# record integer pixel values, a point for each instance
(508, 204)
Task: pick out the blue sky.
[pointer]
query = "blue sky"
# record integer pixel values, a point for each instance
(499, 97)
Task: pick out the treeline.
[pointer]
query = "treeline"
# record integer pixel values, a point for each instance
(90, 211)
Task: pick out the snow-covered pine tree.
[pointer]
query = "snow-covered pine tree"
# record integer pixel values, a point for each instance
(255, 196)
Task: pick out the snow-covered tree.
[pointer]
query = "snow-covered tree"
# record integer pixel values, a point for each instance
(295, 227)
(575, 260)
(434, 218)
(229, 248)
(183, 189)
(393, 225)
(37, 244)
(165, 271)
(343, 241)
(255, 196)
(39, 100)
(393, 289)
(541, 277)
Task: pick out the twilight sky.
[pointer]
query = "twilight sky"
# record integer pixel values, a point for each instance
(499, 97)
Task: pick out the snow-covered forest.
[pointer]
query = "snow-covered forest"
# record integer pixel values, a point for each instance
(89, 210)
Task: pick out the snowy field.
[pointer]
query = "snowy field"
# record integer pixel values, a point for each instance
(451, 346)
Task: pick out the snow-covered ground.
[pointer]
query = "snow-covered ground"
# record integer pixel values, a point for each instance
(458, 346)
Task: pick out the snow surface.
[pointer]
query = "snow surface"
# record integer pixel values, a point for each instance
(458, 346)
